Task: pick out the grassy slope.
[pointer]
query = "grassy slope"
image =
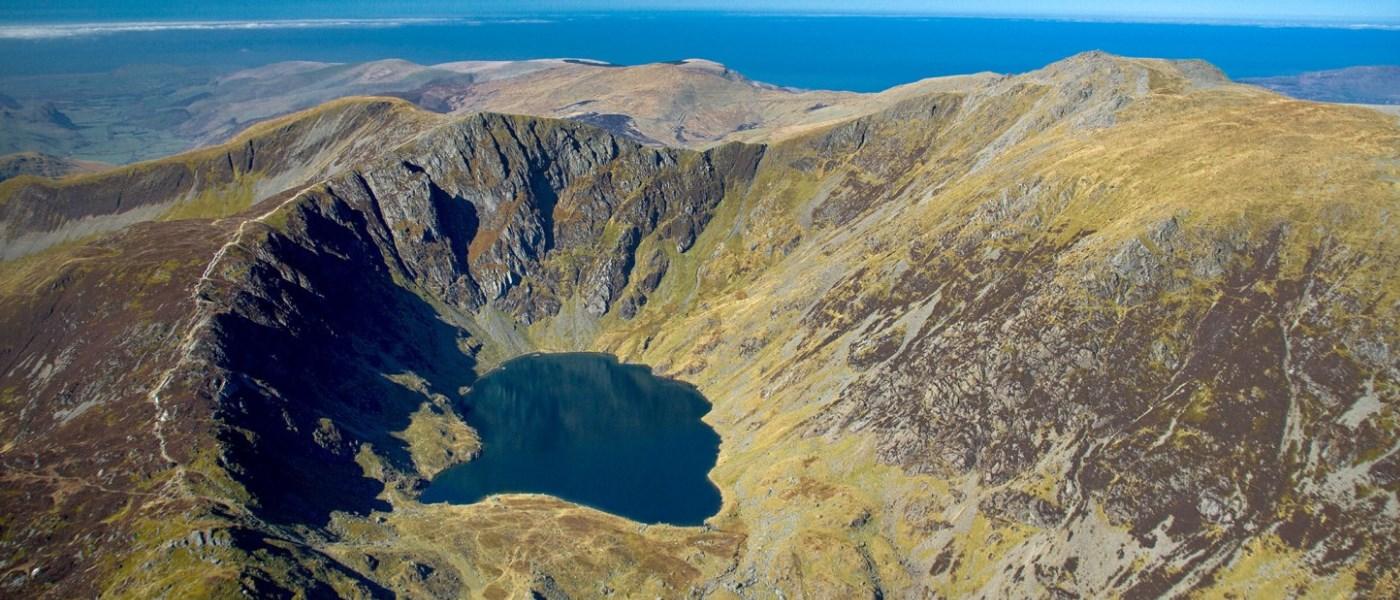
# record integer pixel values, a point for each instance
(1226, 162)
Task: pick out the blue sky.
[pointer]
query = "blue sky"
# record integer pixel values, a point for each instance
(1350, 11)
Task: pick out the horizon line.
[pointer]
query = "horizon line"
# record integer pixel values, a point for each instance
(58, 29)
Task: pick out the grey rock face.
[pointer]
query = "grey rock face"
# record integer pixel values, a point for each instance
(607, 282)
(503, 213)
(476, 210)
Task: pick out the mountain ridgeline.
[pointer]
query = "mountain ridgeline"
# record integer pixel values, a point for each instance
(1113, 327)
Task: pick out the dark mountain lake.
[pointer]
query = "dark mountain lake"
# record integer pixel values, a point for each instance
(590, 430)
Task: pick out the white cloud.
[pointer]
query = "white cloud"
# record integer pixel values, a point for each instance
(65, 30)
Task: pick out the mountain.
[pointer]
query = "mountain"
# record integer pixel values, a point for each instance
(1355, 85)
(1113, 327)
(122, 116)
(27, 128)
(232, 102)
(137, 114)
(143, 113)
(44, 165)
(271, 158)
(690, 103)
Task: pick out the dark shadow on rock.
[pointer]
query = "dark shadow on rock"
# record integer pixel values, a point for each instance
(546, 198)
(311, 341)
(258, 583)
(458, 219)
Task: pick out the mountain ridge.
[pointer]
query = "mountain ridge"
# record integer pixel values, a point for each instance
(193, 109)
(214, 181)
(1116, 319)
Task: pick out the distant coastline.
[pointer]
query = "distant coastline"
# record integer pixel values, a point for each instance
(803, 50)
(36, 29)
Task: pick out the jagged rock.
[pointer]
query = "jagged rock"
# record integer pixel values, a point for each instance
(656, 269)
(611, 276)
(543, 587)
(1023, 507)
(630, 305)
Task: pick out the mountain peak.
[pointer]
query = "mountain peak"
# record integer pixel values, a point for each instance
(1145, 74)
(706, 65)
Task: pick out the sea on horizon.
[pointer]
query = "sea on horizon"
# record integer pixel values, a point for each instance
(817, 52)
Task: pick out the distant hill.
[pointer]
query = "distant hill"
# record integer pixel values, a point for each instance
(1353, 85)
(138, 114)
(44, 165)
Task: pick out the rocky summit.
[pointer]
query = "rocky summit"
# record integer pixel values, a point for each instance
(1114, 327)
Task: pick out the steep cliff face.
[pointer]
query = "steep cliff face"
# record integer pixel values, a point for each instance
(520, 213)
(454, 223)
(1113, 327)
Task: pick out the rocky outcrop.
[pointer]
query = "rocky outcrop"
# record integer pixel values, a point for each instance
(656, 270)
(492, 204)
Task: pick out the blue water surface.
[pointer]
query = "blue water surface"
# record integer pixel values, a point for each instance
(830, 52)
(590, 430)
